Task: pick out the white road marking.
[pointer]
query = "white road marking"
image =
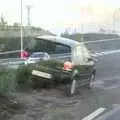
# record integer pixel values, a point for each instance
(109, 78)
(112, 87)
(106, 53)
(94, 114)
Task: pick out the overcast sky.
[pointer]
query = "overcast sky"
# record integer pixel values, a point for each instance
(51, 14)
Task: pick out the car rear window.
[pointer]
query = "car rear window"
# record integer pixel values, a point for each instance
(39, 45)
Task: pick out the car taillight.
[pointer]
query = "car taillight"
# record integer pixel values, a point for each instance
(68, 66)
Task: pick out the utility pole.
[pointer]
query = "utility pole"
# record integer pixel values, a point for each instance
(114, 21)
(21, 30)
(82, 37)
(28, 14)
(114, 18)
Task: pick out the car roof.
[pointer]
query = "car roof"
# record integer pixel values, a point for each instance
(61, 40)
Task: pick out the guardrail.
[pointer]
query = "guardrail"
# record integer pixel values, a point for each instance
(106, 53)
(9, 52)
(103, 40)
(15, 60)
(11, 61)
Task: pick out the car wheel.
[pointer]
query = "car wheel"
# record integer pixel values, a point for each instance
(73, 87)
(70, 88)
(91, 81)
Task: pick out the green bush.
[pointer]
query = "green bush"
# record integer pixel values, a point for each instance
(25, 78)
(23, 75)
(8, 84)
(49, 67)
(50, 63)
(7, 80)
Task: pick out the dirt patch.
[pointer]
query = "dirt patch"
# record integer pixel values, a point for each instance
(53, 104)
(45, 104)
(9, 107)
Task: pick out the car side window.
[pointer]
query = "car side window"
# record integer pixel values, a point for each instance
(51, 47)
(31, 44)
(62, 49)
(40, 45)
(44, 46)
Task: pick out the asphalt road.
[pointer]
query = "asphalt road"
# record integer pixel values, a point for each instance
(106, 90)
(107, 86)
(104, 46)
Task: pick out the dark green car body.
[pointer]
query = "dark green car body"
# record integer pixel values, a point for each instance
(62, 50)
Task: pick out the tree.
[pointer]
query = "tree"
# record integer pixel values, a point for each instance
(113, 31)
(3, 23)
(102, 30)
(16, 26)
(65, 34)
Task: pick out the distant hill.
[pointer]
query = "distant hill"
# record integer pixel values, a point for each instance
(14, 31)
(10, 36)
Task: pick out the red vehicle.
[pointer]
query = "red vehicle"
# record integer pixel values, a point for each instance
(24, 54)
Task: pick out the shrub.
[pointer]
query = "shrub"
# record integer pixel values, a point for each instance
(23, 74)
(49, 67)
(42, 82)
(25, 78)
(7, 80)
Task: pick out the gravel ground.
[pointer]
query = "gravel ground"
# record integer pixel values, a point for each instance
(46, 105)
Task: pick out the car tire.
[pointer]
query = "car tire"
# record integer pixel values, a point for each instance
(71, 88)
(91, 80)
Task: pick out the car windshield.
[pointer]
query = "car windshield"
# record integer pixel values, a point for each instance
(37, 55)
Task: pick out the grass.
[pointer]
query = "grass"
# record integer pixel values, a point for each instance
(8, 84)
(7, 81)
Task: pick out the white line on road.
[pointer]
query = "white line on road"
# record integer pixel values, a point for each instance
(94, 114)
(112, 78)
(112, 87)
(106, 53)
